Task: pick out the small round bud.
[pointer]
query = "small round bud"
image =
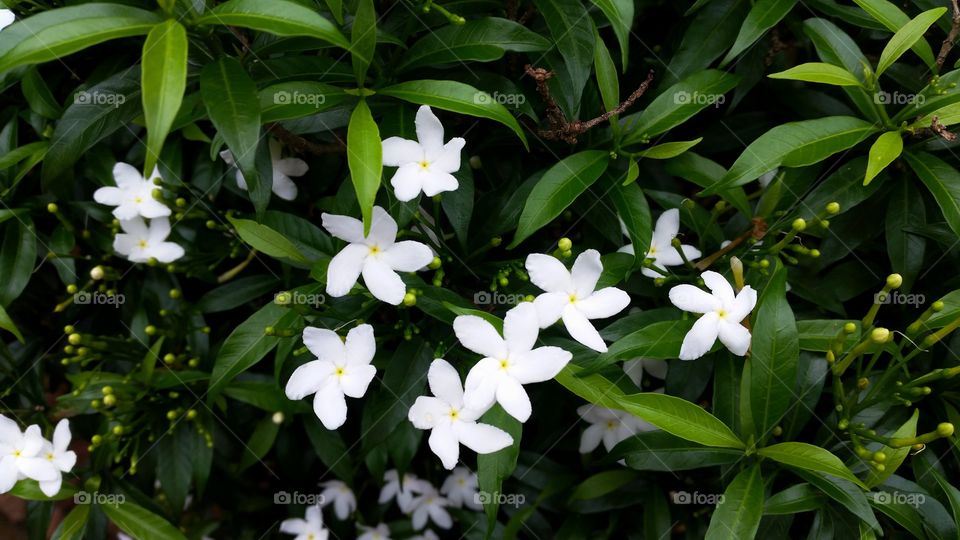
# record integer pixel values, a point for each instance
(879, 335)
(180, 202)
(659, 281)
(688, 204)
(503, 281)
(862, 383)
(53, 208)
(833, 208)
(409, 299)
(880, 467)
(194, 362)
(894, 281)
(777, 431)
(937, 306)
(83, 351)
(97, 273)
(68, 329)
(269, 331)
(171, 415)
(435, 263)
(529, 298)
(169, 358)
(475, 162)
(74, 339)
(831, 358)
(118, 430)
(283, 298)
(175, 293)
(277, 418)
(68, 349)
(843, 424)
(945, 429)
(815, 253)
(95, 404)
(107, 390)
(150, 330)
(799, 224)
(72, 289)
(849, 328)
(825, 223)
(205, 329)
(567, 254)
(191, 414)
(96, 439)
(765, 263)
(565, 244)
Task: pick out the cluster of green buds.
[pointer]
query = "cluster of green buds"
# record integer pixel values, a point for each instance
(799, 225)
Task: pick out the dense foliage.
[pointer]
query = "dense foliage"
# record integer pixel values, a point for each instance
(479, 236)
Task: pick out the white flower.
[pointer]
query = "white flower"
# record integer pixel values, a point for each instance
(133, 195)
(403, 491)
(6, 18)
(426, 535)
(767, 177)
(661, 247)
(609, 426)
(722, 313)
(310, 528)
(20, 455)
(377, 256)
(460, 488)
(343, 499)
(380, 532)
(635, 368)
(140, 242)
(451, 422)
(570, 295)
(342, 368)
(283, 169)
(59, 455)
(431, 505)
(509, 362)
(425, 164)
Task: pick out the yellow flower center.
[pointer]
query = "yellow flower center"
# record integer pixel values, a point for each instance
(461, 481)
(652, 250)
(142, 244)
(374, 250)
(50, 456)
(611, 424)
(340, 372)
(573, 298)
(424, 164)
(722, 314)
(504, 364)
(16, 453)
(138, 199)
(454, 414)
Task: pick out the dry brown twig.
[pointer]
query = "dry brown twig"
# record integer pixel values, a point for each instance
(951, 36)
(560, 128)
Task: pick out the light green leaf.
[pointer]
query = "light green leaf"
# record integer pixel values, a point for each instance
(30, 490)
(738, 514)
(139, 522)
(883, 151)
(365, 159)
(668, 150)
(906, 37)
(620, 14)
(890, 16)
(942, 180)
(280, 17)
(809, 457)
(267, 241)
(895, 456)
(602, 483)
(820, 73)
(74, 525)
(763, 16)
(7, 324)
(606, 77)
(163, 79)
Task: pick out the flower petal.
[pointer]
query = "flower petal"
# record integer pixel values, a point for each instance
(548, 273)
(109, 196)
(284, 187)
(357, 379)
(291, 167)
(440, 517)
(308, 378)
(167, 252)
(550, 307)
(586, 272)
(735, 337)
(52, 487)
(383, 229)
(666, 229)
(8, 473)
(540, 364)
(435, 182)
(604, 303)
(345, 228)
(360, 345)
(445, 444)
(514, 399)
(480, 387)
(407, 182)
(700, 338)
(9, 430)
(398, 151)
(743, 304)
(152, 208)
(444, 382)
(7, 18)
(325, 344)
(425, 412)
(448, 160)
(127, 176)
(293, 526)
(581, 330)
(38, 469)
(345, 268)
(429, 130)
(61, 435)
(382, 282)
(330, 405)
(478, 335)
(657, 368)
(482, 438)
(407, 256)
(521, 326)
(590, 438)
(692, 299)
(719, 286)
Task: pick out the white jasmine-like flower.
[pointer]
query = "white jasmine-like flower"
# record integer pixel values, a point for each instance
(59, 455)
(378, 256)
(431, 505)
(380, 532)
(635, 368)
(609, 426)
(461, 489)
(283, 169)
(133, 195)
(341, 496)
(342, 368)
(310, 528)
(425, 164)
(20, 455)
(450, 421)
(571, 295)
(722, 313)
(404, 491)
(6, 18)
(427, 534)
(140, 242)
(661, 245)
(509, 362)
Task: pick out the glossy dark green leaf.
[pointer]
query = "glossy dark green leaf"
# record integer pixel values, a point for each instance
(809, 457)
(738, 514)
(620, 13)
(710, 34)
(906, 37)
(74, 525)
(889, 15)
(260, 442)
(164, 80)
(363, 39)
(942, 180)
(494, 468)
(572, 30)
(365, 158)
(632, 207)
(18, 254)
(793, 500)
(905, 212)
(280, 17)
(297, 99)
(763, 16)
(661, 451)
(820, 73)
(478, 40)
(268, 241)
(139, 522)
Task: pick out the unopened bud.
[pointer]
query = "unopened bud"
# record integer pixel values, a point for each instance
(799, 224)
(409, 299)
(945, 429)
(277, 418)
(833, 208)
(849, 328)
(96, 273)
(879, 335)
(894, 281)
(565, 244)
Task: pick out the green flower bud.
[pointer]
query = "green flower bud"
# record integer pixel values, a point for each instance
(833, 208)
(118, 429)
(269, 331)
(565, 244)
(496, 241)
(283, 298)
(171, 415)
(97, 273)
(194, 362)
(74, 339)
(95, 404)
(169, 358)
(937, 306)
(409, 299)
(175, 293)
(277, 418)
(180, 202)
(799, 224)
(68, 329)
(849, 328)
(96, 439)
(191, 414)
(52, 208)
(815, 253)
(107, 390)
(72, 289)
(945, 429)
(894, 281)
(150, 330)
(435, 263)
(879, 335)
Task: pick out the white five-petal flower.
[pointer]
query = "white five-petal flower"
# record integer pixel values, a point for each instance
(722, 313)
(427, 534)
(133, 195)
(461, 489)
(378, 256)
(425, 164)
(450, 421)
(59, 455)
(609, 426)
(380, 532)
(140, 242)
(341, 496)
(509, 362)
(661, 245)
(342, 368)
(431, 505)
(283, 169)
(635, 368)
(6, 18)
(20, 455)
(404, 491)
(571, 295)
(310, 528)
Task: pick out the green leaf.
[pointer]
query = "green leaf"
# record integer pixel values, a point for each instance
(330, 448)
(403, 379)
(631, 205)
(793, 500)
(890, 16)
(794, 144)
(660, 451)
(30, 490)
(557, 189)
(365, 159)
(835, 47)
(455, 97)
(478, 40)
(280, 17)
(738, 514)
(763, 16)
(906, 212)
(493, 468)
(704, 172)
(809, 457)
(818, 334)
(572, 30)
(56, 33)
(363, 37)
(943, 181)
(710, 33)
(820, 73)
(905, 38)
(261, 441)
(844, 492)
(7, 324)
(139, 522)
(659, 340)
(268, 241)
(234, 107)
(297, 99)
(668, 150)
(620, 14)
(175, 454)
(602, 483)
(895, 456)
(18, 253)
(74, 525)
(606, 77)
(775, 352)
(164, 80)
(883, 151)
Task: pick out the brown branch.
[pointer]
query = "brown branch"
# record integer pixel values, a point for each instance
(564, 130)
(941, 130)
(951, 36)
(757, 231)
(300, 145)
